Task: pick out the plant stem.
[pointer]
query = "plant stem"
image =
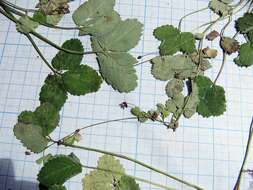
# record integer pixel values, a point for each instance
(136, 178)
(238, 182)
(17, 7)
(135, 161)
(40, 54)
(221, 68)
(189, 14)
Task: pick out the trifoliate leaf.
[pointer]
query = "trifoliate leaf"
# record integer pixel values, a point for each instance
(212, 97)
(31, 136)
(57, 187)
(91, 11)
(229, 45)
(124, 36)
(102, 26)
(104, 180)
(220, 7)
(127, 183)
(166, 67)
(245, 58)
(174, 87)
(187, 42)
(53, 92)
(170, 37)
(192, 101)
(48, 117)
(82, 80)
(244, 25)
(58, 170)
(68, 61)
(53, 7)
(117, 69)
(212, 35)
(26, 25)
(44, 159)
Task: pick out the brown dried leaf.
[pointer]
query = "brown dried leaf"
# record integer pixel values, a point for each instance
(212, 35)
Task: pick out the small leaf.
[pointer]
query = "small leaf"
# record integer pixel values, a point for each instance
(127, 183)
(40, 17)
(53, 92)
(44, 159)
(103, 180)
(229, 45)
(68, 61)
(48, 117)
(170, 36)
(171, 106)
(142, 116)
(178, 100)
(244, 25)
(210, 53)
(220, 7)
(174, 87)
(82, 80)
(212, 98)
(26, 25)
(245, 58)
(31, 136)
(58, 170)
(72, 139)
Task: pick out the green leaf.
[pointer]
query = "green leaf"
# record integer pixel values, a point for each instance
(31, 136)
(58, 170)
(53, 92)
(89, 12)
(117, 69)
(220, 8)
(40, 17)
(167, 67)
(57, 187)
(244, 25)
(48, 117)
(72, 139)
(44, 159)
(82, 80)
(193, 101)
(141, 115)
(170, 37)
(102, 26)
(245, 58)
(27, 117)
(127, 183)
(174, 87)
(124, 36)
(171, 106)
(187, 42)
(212, 98)
(103, 180)
(26, 25)
(68, 61)
(179, 100)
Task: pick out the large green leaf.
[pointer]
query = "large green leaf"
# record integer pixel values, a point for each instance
(31, 136)
(110, 170)
(82, 80)
(68, 61)
(89, 12)
(117, 69)
(59, 169)
(48, 117)
(124, 36)
(245, 58)
(53, 92)
(212, 97)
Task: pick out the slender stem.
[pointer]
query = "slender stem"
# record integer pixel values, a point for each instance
(136, 178)
(17, 7)
(221, 68)
(238, 182)
(189, 14)
(135, 161)
(40, 54)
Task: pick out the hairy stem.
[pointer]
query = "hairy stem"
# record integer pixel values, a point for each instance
(238, 182)
(135, 161)
(136, 178)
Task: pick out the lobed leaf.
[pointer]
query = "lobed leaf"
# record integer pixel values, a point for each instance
(245, 58)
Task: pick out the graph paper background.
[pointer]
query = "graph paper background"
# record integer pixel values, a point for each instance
(207, 152)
